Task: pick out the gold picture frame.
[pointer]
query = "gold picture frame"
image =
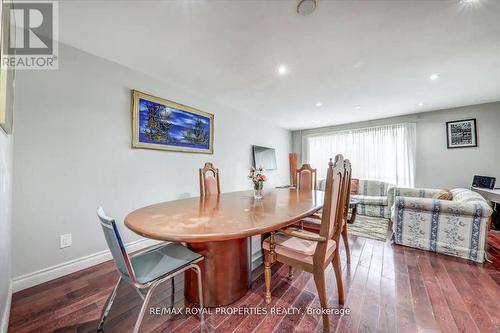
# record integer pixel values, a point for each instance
(161, 124)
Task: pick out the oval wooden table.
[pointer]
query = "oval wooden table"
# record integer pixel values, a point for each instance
(219, 227)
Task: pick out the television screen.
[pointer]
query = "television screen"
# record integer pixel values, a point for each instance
(265, 157)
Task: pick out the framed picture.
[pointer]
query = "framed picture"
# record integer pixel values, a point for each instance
(162, 124)
(461, 133)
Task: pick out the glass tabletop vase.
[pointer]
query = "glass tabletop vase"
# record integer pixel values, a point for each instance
(258, 190)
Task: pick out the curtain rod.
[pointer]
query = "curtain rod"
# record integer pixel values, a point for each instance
(353, 129)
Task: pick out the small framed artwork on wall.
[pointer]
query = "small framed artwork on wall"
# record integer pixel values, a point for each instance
(461, 133)
(162, 124)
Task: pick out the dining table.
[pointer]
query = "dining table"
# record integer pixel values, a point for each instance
(220, 227)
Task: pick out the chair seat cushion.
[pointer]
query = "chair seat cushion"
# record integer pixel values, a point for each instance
(311, 223)
(296, 248)
(159, 262)
(370, 200)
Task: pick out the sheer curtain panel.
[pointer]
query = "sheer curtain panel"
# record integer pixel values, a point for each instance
(385, 153)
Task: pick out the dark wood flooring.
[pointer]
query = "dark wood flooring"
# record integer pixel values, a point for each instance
(388, 289)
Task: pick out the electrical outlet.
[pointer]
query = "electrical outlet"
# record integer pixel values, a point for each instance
(65, 241)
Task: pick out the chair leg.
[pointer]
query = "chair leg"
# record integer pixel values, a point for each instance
(267, 275)
(172, 296)
(346, 243)
(338, 276)
(108, 305)
(143, 308)
(319, 280)
(290, 273)
(140, 293)
(200, 294)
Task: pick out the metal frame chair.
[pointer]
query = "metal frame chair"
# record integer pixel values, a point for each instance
(127, 273)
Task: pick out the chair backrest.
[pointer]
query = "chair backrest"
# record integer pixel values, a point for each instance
(346, 192)
(333, 206)
(209, 180)
(306, 178)
(115, 244)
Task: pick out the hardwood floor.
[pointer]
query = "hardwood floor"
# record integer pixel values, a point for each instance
(388, 288)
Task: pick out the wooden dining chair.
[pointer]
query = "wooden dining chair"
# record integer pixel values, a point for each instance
(309, 251)
(306, 178)
(209, 180)
(313, 222)
(306, 181)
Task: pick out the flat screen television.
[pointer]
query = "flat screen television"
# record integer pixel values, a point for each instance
(265, 157)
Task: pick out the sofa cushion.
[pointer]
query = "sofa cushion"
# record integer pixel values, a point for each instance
(371, 200)
(372, 187)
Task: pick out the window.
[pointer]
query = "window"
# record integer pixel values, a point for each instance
(385, 153)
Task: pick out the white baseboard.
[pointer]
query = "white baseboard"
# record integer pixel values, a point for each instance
(65, 268)
(4, 324)
(32, 279)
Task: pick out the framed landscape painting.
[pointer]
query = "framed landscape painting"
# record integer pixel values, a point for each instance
(162, 124)
(461, 133)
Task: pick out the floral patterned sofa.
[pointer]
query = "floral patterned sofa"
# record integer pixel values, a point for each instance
(454, 227)
(371, 195)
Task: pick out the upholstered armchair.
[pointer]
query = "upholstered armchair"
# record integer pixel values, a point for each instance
(372, 196)
(454, 227)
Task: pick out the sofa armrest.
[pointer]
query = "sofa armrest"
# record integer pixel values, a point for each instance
(449, 207)
(390, 196)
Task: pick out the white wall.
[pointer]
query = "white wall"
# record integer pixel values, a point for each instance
(5, 226)
(72, 154)
(437, 166)
(6, 171)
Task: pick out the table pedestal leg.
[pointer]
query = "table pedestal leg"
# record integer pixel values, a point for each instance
(224, 272)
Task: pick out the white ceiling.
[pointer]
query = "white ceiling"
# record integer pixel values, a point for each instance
(375, 54)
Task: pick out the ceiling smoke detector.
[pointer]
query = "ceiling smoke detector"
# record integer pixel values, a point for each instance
(306, 7)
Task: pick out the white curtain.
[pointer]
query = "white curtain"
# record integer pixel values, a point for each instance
(385, 153)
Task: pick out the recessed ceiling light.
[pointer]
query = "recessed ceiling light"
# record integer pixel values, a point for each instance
(466, 2)
(319, 104)
(282, 70)
(357, 107)
(434, 77)
(420, 104)
(306, 7)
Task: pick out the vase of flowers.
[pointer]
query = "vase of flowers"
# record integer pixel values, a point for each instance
(258, 178)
